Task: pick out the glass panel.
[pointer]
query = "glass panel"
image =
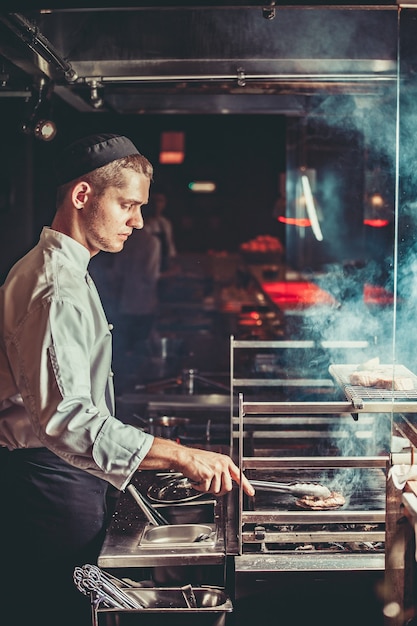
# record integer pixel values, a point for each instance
(404, 427)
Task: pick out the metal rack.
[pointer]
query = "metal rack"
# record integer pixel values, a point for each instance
(248, 410)
(263, 527)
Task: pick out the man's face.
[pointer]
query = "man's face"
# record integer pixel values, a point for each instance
(110, 218)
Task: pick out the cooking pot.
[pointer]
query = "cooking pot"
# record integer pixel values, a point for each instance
(165, 426)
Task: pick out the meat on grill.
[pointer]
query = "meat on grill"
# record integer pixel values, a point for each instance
(381, 379)
(334, 501)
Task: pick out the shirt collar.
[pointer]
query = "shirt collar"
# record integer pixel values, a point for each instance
(74, 252)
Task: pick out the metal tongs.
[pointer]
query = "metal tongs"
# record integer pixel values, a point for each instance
(152, 515)
(104, 588)
(295, 489)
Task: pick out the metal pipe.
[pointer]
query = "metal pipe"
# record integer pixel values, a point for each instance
(31, 36)
(294, 78)
(272, 463)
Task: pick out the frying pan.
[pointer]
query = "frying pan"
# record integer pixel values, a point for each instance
(165, 426)
(174, 489)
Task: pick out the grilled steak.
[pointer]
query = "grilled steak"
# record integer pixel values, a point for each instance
(334, 501)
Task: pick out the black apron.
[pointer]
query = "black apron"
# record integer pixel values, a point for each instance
(53, 518)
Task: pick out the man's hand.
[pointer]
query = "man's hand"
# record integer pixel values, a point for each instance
(210, 472)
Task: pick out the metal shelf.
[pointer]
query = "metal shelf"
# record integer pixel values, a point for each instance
(270, 413)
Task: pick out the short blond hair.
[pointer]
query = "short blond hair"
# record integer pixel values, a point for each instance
(109, 175)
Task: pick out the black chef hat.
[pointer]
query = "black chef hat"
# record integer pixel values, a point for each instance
(90, 153)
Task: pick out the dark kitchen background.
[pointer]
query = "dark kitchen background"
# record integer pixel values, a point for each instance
(263, 100)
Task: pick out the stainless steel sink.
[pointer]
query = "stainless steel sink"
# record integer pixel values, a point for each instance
(178, 535)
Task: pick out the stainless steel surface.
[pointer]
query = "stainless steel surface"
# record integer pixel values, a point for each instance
(285, 382)
(306, 538)
(295, 489)
(318, 562)
(305, 420)
(178, 536)
(313, 517)
(367, 405)
(122, 547)
(296, 343)
(171, 600)
(316, 462)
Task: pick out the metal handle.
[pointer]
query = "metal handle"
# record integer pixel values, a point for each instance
(90, 580)
(153, 516)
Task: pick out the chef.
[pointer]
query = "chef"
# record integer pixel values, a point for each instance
(61, 445)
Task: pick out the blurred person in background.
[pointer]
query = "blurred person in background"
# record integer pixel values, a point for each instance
(161, 226)
(135, 275)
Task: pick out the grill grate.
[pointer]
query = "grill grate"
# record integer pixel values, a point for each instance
(363, 488)
(276, 524)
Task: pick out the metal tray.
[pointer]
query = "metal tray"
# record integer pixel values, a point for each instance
(178, 535)
(172, 600)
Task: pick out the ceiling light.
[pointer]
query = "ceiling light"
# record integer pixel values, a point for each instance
(45, 130)
(202, 186)
(37, 121)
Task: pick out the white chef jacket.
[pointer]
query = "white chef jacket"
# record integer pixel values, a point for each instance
(56, 386)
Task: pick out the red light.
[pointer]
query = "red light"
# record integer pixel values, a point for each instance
(295, 221)
(297, 294)
(374, 294)
(376, 223)
(171, 158)
(251, 315)
(172, 147)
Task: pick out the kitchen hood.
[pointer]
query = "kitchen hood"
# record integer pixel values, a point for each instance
(200, 59)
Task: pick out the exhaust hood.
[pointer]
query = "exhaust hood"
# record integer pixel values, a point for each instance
(211, 59)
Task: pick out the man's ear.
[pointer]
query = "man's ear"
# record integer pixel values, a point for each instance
(80, 194)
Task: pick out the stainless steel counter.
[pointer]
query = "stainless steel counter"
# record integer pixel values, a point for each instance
(124, 545)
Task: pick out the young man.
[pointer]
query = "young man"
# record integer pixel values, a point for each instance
(61, 444)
